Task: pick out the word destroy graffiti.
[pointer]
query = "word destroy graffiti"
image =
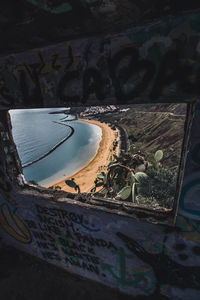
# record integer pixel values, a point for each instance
(57, 236)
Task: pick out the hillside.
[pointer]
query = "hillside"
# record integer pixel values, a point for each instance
(153, 127)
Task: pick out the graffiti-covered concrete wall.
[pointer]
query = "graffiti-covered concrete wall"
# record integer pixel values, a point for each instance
(147, 64)
(154, 63)
(26, 24)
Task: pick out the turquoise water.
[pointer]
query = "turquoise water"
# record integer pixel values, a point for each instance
(36, 133)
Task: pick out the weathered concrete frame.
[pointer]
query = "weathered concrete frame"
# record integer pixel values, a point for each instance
(98, 239)
(140, 212)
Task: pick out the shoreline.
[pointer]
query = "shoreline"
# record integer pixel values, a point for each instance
(86, 176)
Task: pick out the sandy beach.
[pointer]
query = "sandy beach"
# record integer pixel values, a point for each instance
(86, 176)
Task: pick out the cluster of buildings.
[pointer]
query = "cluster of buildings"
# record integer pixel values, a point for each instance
(95, 110)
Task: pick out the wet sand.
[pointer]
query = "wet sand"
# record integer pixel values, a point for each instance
(86, 176)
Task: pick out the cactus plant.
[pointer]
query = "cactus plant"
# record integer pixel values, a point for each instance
(71, 183)
(119, 181)
(134, 192)
(123, 181)
(158, 155)
(125, 193)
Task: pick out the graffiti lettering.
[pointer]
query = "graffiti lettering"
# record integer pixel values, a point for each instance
(72, 77)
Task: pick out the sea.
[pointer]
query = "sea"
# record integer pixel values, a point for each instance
(36, 132)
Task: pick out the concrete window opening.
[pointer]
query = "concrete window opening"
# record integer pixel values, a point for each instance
(135, 226)
(127, 156)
